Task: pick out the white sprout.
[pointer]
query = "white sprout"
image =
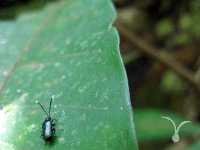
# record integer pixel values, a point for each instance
(175, 137)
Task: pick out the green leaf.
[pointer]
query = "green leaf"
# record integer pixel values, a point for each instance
(185, 22)
(150, 125)
(70, 50)
(164, 28)
(172, 83)
(130, 57)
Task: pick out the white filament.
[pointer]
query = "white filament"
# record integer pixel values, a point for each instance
(175, 137)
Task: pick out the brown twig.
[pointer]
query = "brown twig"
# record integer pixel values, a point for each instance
(153, 52)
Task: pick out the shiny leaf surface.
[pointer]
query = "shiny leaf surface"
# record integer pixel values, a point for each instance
(70, 50)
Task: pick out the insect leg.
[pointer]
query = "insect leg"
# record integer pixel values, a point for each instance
(53, 119)
(42, 136)
(53, 132)
(56, 124)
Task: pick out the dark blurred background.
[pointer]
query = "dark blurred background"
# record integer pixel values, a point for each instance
(160, 47)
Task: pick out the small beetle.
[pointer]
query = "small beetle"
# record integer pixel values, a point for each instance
(47, 126)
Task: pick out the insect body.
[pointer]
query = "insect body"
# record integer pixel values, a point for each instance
(47, 126)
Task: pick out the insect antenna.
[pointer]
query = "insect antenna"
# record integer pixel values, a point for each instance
(50, 104)
(42, 107)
